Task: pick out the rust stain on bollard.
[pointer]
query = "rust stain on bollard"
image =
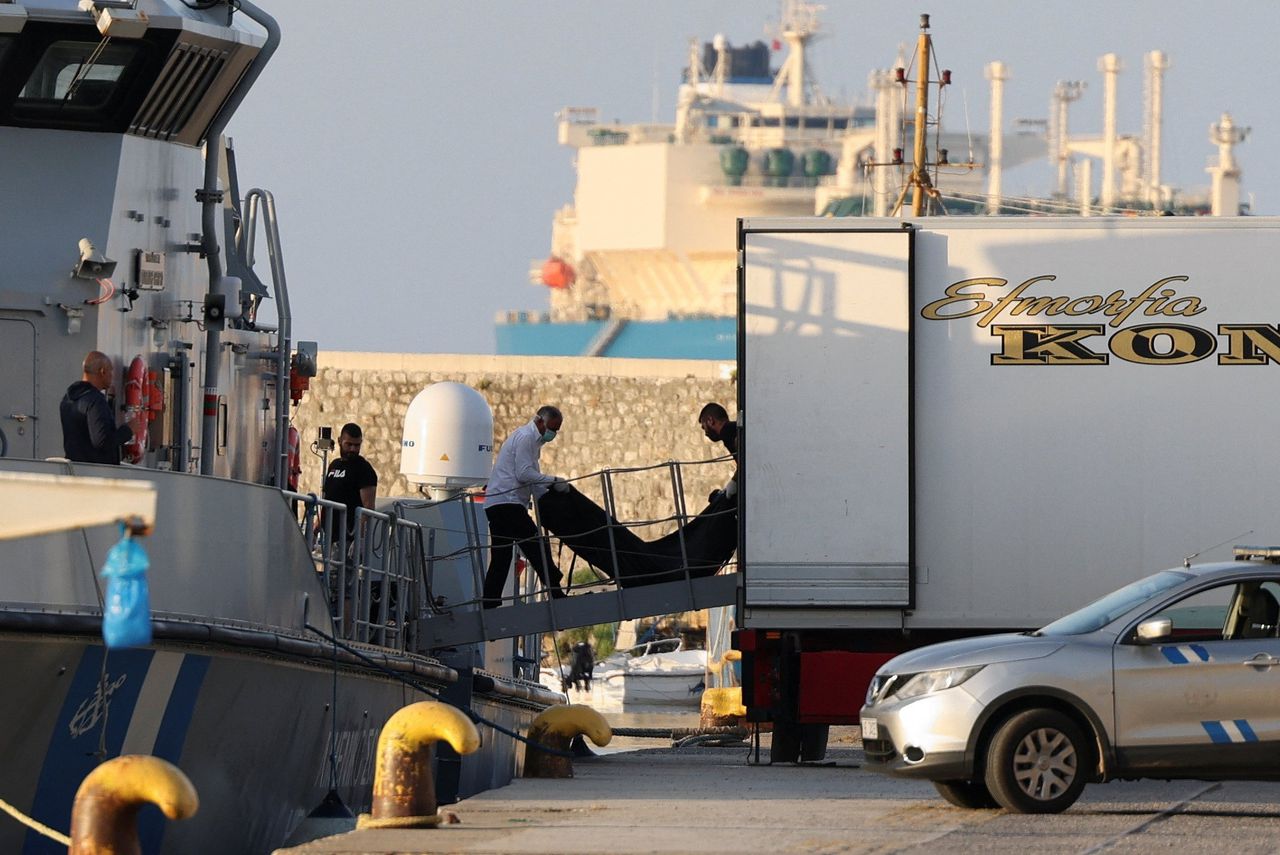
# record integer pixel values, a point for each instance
(404, 794)
(555, 728)
(104, 819)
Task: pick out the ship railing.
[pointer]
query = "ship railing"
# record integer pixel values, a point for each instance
(324, 524)
(372, 578)
(387, 555)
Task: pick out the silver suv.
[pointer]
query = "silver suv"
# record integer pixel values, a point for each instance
(1174, 676)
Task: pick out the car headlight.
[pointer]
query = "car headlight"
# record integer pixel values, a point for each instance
(931, 681)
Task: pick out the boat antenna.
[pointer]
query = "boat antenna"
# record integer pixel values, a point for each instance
(1186, 562)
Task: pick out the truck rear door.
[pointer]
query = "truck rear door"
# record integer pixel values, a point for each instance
(824, 386)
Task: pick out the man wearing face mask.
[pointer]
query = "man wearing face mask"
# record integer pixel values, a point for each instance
(351, 480)
(515, 480)
(715, 423)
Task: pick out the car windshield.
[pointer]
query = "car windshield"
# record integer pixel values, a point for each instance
(1101, 612)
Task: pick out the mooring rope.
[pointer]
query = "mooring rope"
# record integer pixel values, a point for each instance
(34, 824)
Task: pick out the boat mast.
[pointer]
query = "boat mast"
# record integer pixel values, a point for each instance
(918, 182)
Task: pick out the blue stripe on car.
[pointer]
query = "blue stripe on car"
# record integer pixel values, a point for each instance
(1217, 733)
(1246, 730)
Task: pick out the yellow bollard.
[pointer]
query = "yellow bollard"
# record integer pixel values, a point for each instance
(104, 819)
(404, 793)
(555, 727)
(722, 707)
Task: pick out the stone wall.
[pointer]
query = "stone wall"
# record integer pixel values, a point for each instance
(618, 413)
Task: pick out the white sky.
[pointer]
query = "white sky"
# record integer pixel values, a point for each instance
(410, 144)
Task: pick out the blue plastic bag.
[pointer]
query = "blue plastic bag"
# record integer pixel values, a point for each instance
(126, 619)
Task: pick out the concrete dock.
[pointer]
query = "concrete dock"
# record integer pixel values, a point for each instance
(711, 800)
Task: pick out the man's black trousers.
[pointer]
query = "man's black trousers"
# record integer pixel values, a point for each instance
(510, 526)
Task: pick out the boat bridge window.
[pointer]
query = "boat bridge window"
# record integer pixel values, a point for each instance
(76, 75)
(66, 76)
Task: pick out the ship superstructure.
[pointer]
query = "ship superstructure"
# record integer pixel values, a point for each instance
(123, 229)
(642, 263)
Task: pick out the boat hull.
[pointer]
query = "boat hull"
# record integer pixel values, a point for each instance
(253, 732)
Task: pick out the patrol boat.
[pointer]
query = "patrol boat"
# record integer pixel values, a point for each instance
(123, 230)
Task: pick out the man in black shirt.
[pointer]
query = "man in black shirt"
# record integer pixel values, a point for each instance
(714, 421)
(350, 479)
(89, 430)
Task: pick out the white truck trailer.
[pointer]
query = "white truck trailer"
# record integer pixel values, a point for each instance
(970, 425)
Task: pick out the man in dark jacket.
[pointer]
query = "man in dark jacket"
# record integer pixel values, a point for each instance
(89, 431)
(715, 423)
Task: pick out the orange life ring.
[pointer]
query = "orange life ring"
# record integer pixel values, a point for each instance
(295, 465)
(135, 388)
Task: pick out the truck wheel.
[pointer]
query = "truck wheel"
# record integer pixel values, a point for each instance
(813, 741)
(973, 795)
(784, 747)
(1037, 762)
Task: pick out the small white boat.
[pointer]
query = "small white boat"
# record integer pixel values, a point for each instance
(658, 673)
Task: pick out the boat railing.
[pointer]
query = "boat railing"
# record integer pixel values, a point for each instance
(387, 565)
(370, 574)
(658, 645)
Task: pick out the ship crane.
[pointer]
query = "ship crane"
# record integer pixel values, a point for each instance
(798, 27)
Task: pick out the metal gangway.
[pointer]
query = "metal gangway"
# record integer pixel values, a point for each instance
(388, 582)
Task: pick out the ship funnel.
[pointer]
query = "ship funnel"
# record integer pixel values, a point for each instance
(447, 442)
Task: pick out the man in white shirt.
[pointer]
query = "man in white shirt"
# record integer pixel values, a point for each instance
(517, 479)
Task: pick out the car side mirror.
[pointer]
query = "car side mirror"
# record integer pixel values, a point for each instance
(1156, 629)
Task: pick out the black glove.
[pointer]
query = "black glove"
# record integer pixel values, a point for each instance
(560, 485)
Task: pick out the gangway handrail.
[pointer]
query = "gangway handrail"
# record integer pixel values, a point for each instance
(381, 582)
(605, 475)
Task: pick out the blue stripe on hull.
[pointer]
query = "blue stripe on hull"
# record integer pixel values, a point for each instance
(171, 737)
(77, 746)
(86, 726)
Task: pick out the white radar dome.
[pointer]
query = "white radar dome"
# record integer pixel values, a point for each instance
(448, 437)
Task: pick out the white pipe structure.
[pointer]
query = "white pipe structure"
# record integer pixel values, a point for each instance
(1157, 63)
(997, 73)
(1110, 67)
(1064, 93)
(1225, 195)
(886, 98)
(1085, 188)
(720, 74)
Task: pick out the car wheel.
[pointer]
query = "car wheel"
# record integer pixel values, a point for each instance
(973, 795)
(1037, 762)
